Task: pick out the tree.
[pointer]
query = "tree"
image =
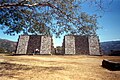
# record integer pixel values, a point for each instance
(2, 50)
(47, 17)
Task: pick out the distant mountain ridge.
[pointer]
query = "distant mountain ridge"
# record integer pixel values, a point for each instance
(109, 45)
(7, 45)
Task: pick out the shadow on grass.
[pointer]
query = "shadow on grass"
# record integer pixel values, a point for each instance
(11, 70)
(11, 66)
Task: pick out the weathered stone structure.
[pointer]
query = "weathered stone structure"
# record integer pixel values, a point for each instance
(84, 45)
(74, 44)
(22, 45)
(113, 65)
(69, 45)
(27, 44)
(94, 45)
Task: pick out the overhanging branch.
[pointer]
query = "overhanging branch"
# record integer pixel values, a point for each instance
(9, 5)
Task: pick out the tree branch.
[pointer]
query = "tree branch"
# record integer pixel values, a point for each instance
(8, 5)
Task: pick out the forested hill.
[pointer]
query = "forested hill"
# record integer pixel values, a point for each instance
(7, 45)
(110, 45)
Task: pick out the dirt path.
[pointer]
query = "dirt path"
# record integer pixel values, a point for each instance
(55, 68)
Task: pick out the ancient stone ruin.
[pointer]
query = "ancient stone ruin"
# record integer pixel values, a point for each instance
(84, 45)
(113, 65)
(28, 44)
(72, 44)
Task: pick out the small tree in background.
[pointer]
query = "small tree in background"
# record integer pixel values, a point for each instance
(2, 50)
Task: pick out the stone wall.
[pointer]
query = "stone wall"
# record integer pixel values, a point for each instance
(46, 45)
(28, 44)
(84, 45)
(69, 45)
(94, 45)
(34, 43)
(81, 45)
(22, 45)
(75, 44)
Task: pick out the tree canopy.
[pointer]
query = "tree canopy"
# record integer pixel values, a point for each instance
(47, 17)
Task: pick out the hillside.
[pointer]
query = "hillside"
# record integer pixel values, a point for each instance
(110, 45)
(8, 45)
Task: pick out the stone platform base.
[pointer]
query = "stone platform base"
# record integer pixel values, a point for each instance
(111, 65)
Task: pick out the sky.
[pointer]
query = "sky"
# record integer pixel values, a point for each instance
(109, 25)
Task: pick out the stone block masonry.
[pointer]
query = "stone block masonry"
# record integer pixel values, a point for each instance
(46, 45)
(83, 45)
(94, 45)
(22, 45)
(72, 44)
(28, 44)
(69, 45)
(33, 44)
